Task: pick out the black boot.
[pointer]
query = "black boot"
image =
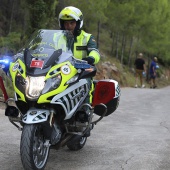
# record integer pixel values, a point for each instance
(87, 134)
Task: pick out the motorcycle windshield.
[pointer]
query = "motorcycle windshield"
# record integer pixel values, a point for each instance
(45, 49)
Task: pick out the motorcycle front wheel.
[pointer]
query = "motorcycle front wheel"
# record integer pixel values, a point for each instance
(34, 148)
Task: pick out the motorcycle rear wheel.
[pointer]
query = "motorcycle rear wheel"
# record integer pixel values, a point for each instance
(77, 144)
(33, 148)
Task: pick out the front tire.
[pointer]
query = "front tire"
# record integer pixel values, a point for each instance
(34, 148)
(78, 144)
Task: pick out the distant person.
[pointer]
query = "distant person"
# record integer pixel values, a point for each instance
(140, 68)
(152, 73)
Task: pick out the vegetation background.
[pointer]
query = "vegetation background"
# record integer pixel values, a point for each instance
(122, 28)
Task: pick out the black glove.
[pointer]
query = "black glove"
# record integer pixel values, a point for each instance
(90, 60)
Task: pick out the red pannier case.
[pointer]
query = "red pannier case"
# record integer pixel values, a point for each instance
(106, 91)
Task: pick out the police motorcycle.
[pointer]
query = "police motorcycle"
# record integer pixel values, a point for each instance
(50, 105)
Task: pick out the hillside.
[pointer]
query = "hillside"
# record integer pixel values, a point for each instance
(112, 69)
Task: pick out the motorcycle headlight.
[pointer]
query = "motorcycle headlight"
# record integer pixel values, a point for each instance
(34, 86)
(52, 83)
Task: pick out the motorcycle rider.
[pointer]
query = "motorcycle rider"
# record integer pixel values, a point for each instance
(84, 46)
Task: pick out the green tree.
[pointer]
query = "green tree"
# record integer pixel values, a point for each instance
(42, 13)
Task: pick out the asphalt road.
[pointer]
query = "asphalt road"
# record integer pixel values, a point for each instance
(135, 137)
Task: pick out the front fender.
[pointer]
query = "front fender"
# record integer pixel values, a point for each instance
(35, 116)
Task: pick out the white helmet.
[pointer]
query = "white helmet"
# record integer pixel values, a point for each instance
(71, 13)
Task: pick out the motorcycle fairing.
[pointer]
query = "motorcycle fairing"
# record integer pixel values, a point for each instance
(72, 97)
(44, 98)
(18, 68)
(35, 116)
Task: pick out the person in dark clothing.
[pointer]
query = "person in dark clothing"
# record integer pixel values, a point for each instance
(140, 68)
(152, 72)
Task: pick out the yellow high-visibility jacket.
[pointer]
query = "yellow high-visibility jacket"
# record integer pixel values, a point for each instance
(84, 46)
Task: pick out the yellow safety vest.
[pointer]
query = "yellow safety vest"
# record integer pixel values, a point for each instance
(80, 46)
(82, 41)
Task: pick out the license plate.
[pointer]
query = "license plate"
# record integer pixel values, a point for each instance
(37, 63)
